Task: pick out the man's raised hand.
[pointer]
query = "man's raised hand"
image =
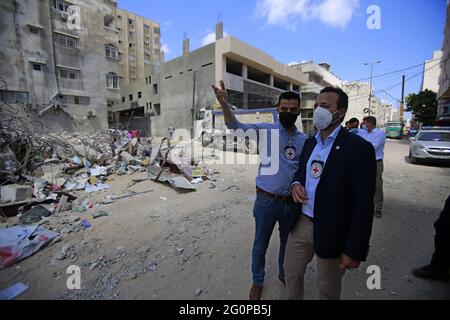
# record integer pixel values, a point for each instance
(221, 94)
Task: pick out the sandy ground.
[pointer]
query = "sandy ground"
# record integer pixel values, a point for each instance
(169, 245)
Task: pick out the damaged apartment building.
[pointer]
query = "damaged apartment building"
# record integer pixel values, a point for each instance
(172, 92)
(64, 62)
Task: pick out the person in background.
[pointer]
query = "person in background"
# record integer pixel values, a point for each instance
(377, 138)
(353, 124)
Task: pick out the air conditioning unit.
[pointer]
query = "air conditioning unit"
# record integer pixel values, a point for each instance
(64, 16)
(91, 114)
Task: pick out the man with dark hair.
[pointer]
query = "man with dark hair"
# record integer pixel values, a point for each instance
(353, 124)
(273, 199)
(377, 138)
(335, 184)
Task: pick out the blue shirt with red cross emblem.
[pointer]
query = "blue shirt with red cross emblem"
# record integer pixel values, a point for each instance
(290, 146)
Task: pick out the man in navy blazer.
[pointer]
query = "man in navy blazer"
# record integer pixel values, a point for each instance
(335, 185)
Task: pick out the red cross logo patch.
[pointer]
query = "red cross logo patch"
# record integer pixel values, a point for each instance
(316, 169)
(289, 152)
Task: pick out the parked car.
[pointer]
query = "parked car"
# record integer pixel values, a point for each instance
(430, 144)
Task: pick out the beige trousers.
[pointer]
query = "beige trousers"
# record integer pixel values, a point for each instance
(299, 252)
(379, 187)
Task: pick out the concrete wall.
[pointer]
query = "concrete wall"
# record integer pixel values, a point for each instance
(432, 71)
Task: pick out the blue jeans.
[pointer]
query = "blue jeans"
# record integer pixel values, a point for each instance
(267, 211)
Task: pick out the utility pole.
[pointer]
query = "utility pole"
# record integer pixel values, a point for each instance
(403, 99)
(193, 120)
(371, 76)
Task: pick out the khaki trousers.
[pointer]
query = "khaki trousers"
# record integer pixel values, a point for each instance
(379, 187)
(299, 252)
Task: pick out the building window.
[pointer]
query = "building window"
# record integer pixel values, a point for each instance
(13, 96)
(76, 100)
(156, 52)
(157, 109)
(112, 81)
(123, 99)
(130, 35)
(34, 30)
(65, 41)
(146, 41)
(130, 97)
(37, 67)
(157, 41)
(156, 30)
(155, 89)
(140, 95)
(68, 74)
(147, 58)
(130, 21)
(61, 5)
(111, 51)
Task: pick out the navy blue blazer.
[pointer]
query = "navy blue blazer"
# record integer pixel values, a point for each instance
(344, 199)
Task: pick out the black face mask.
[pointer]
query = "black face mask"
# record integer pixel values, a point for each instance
(287, 119)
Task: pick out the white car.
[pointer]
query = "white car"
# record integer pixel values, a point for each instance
(430, 143)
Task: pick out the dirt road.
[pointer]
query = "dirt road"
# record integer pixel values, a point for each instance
(167, 245)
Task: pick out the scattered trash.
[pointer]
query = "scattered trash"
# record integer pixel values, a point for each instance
(163, 198)
(85, 222)
(96, 188)
(100, 214)
(19, 242)
(35, 214)
(196, 180)
(62, 254)
(13, 291)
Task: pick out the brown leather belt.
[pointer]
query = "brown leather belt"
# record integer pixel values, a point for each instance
(274, 196)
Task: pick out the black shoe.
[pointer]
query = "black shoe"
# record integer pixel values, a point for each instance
(282, 280)
(378, 214)
(428, 272)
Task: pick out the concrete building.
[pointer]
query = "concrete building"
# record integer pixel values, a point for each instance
(358, 95)
(443, 112)
(139, 45)
(61, 61)
(431, 72)
(320, 76)
(172, 93)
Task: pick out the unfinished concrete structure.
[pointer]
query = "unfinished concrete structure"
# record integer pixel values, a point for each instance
(173, 92)
(61, 63)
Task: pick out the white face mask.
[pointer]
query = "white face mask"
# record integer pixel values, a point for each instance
(322, 118)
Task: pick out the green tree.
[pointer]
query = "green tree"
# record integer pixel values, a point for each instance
(423, 105)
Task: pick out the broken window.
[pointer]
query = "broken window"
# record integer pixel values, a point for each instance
(65, 41)
(155, 90)
(130, 22)
(112, 81)
(140, 95)
(111, 51)
(68, 74)
(157, 109)
(34, 30)
(130, 97)
(37, 67)
(108, 21)
(61, 5)
(123, 99)
(234, 67)
(13, 96)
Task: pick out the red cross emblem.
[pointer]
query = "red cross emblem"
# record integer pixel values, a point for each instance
(290, 153)
(316, 169)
